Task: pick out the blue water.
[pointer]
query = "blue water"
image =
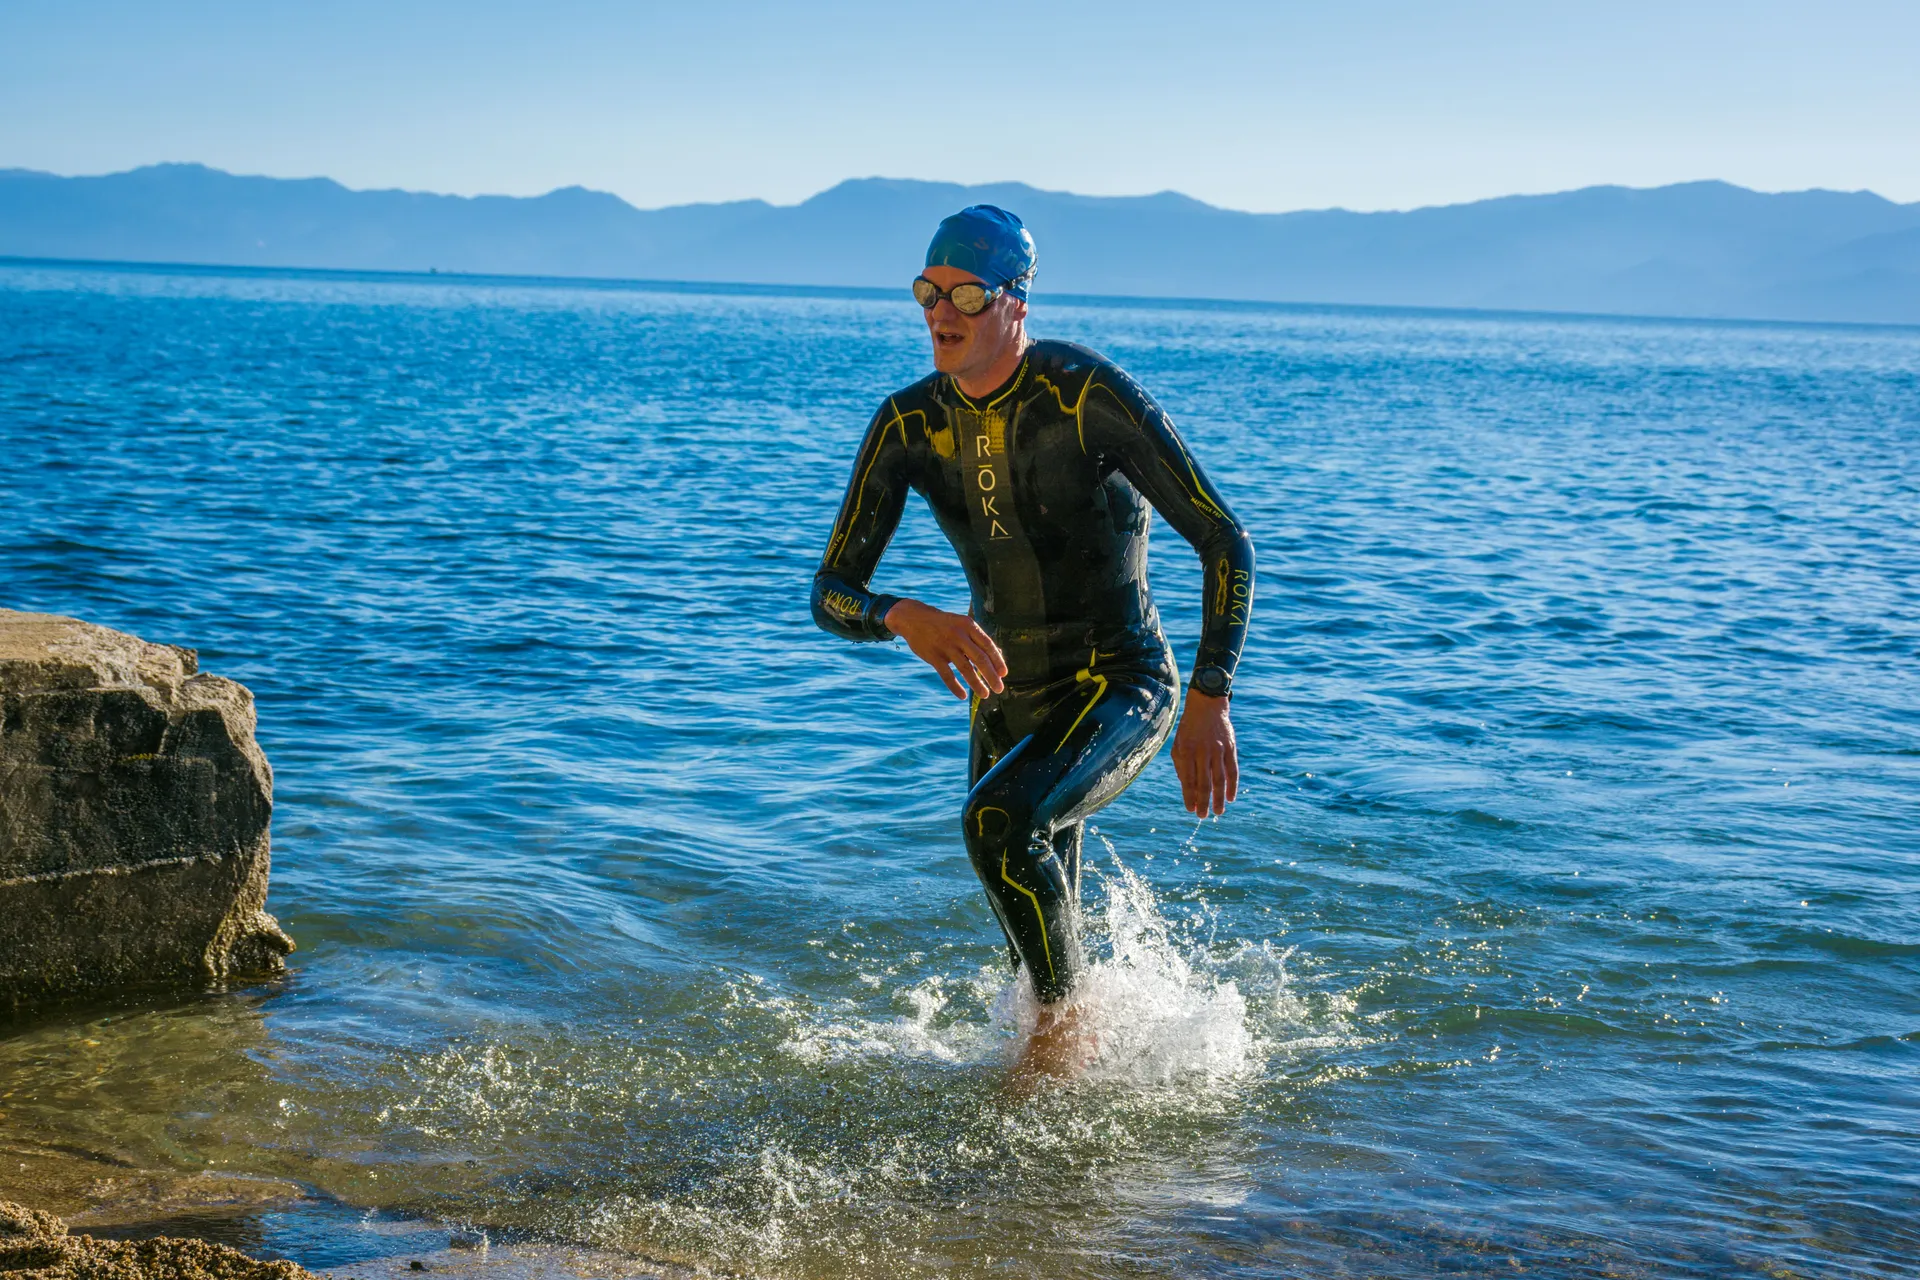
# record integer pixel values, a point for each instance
(1568, 924)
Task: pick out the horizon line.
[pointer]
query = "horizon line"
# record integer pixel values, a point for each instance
(965, 186)
(729, 288)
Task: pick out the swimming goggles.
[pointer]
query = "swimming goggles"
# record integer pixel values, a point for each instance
(969, 299)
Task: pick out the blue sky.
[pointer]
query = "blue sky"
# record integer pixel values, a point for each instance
(1269, 106)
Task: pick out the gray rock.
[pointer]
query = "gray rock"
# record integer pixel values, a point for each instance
(134, 805)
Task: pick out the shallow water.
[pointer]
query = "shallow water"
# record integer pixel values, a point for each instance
(1568, 924)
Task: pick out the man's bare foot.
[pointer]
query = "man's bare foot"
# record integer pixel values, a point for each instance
(1060, 1048)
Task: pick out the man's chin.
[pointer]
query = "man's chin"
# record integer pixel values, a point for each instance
(949, 359)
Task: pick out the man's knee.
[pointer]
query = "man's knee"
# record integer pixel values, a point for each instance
(995, 820)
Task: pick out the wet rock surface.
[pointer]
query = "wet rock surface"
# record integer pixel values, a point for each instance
(35, 1245)
(134, 808)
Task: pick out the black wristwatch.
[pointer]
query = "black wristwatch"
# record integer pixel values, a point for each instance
(1213, 681)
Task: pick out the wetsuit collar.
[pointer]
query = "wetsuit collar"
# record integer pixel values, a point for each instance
(1000, 392)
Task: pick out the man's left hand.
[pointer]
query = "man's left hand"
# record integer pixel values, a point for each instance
(1205, 756)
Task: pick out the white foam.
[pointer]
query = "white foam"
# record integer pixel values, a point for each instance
(1158, 1007)
(932, 1031)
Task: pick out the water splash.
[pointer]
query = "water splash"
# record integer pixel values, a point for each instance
(1154, 1007)
(947, 1024)
(1161, 1005)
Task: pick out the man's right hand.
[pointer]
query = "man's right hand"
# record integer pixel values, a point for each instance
(949, 643)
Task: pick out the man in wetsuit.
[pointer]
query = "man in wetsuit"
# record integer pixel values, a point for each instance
(1039, 460)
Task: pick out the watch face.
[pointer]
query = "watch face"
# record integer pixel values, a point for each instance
(1211, 681)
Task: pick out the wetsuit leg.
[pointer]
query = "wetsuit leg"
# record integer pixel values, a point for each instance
(1023, 816)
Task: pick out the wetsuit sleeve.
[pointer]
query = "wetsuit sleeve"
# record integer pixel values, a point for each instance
(1124, 423)
(869, 514)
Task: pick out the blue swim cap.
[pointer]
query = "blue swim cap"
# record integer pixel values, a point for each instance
(989, 242)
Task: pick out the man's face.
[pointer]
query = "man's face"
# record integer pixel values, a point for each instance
(968, 345)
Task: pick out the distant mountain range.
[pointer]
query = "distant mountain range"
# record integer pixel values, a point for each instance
(1696, 249)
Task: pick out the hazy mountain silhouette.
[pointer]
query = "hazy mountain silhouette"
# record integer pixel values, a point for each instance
(1696, 249)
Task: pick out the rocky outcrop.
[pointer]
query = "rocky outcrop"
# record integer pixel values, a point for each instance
(134, 804)
(34, 1245)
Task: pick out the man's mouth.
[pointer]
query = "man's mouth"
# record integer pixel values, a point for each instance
(948, 338)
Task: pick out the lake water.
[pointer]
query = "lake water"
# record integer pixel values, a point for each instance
(1569, 924)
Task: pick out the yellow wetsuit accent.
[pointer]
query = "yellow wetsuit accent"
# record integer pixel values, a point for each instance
(1039, 916)
(1082, 676)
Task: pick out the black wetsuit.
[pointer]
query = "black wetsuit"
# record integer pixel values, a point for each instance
(1043, 488)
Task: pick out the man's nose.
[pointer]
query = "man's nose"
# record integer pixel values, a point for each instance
(944, 312)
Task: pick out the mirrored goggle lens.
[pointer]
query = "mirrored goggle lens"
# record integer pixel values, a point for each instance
(969, 299)
(924, 292)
